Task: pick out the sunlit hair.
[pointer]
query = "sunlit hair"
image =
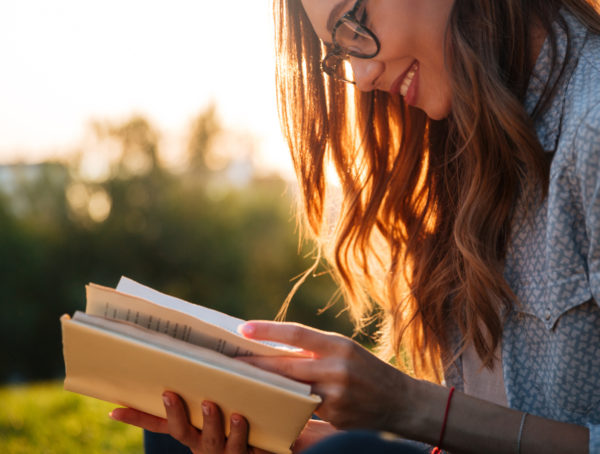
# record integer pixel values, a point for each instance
(421, 231)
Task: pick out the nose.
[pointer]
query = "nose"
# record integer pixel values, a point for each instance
(366, 72)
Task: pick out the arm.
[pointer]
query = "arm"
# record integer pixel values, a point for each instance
(476, 426)
(586, 176)
(359, 390)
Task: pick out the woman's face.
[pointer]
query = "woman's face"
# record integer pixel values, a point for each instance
(411, 61)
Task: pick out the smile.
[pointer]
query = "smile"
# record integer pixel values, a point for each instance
(408, 79)
(402, 84)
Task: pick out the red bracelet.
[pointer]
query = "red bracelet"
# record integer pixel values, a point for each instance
(438, 448)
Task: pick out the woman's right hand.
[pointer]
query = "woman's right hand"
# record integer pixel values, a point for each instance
(210, 440)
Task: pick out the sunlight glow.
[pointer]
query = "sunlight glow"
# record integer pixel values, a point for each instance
(68, 62)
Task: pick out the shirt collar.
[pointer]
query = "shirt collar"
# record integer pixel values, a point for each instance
(549, 122)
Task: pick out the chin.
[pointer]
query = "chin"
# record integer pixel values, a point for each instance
(438, 111)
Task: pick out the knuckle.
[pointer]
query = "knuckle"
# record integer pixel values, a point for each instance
(335, 395)
(211, 442)
(296, 334)
(178, 432)
(341, 372)
(346, 348)
(286, 367)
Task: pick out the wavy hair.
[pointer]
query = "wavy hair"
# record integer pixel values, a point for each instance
(420, 233)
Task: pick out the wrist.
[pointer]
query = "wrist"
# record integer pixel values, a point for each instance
(423, 411)
(405, 414)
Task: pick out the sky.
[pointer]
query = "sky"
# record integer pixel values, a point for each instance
(67, 62)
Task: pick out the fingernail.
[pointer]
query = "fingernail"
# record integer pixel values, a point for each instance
(247, 329)
(205, 409)
(235, 419)
(166, 400)
(110, 415)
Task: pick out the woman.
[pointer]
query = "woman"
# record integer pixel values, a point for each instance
(466, 139)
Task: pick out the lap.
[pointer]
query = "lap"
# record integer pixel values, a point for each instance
(359, 442)
(352, 442)
(155, 443)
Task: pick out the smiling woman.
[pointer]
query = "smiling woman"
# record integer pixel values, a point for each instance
(468, 153)
(412, 38)
(445, 168)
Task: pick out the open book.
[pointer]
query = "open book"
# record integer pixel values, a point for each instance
(133, 342)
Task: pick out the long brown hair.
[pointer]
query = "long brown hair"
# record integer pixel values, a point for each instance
(426, 207)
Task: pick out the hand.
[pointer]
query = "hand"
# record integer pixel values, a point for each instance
(313, 432)
(357, 388)
(211, 440)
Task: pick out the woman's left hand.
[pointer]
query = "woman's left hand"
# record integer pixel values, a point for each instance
(357, 388)
(210, 440)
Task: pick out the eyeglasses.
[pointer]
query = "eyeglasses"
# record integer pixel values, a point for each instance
(351, 38)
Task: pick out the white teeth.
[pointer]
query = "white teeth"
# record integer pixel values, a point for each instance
(408, 79)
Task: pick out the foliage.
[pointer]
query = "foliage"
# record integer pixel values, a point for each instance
(44, 419)
(199, 234)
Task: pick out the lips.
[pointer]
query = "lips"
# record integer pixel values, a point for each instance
(399, 84)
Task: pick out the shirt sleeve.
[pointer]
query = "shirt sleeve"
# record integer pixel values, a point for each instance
(587, 145)
(594, 438)
(587, 149)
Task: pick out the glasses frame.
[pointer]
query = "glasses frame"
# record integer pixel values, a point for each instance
(337, 55)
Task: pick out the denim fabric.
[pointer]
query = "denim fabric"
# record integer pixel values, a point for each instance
(358, 442)
(362, 442)
(155, 443)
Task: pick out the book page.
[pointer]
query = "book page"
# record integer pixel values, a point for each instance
(197, 353)
(217, 318)
(131, 287)
(180, 323)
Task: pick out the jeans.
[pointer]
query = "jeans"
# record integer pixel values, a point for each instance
(353, 442)
(155, 443)
(366, 442)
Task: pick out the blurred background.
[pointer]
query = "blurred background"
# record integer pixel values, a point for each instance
(137, 138)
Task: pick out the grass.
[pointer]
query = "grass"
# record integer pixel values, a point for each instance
(43, 418)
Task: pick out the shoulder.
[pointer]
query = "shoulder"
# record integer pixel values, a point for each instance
(586, 151)
(582, 107)
(587, 137)
(590, 53)
(585, 82)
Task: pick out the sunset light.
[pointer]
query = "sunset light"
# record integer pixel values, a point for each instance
(67, 63)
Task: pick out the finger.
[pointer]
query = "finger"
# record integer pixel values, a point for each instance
(178, 421)
(294, 334)
(302, 369)
(213, 434)
(140, 419)
(237, 442)
(313, 432)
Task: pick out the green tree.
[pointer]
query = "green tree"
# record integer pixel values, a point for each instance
(234, 250)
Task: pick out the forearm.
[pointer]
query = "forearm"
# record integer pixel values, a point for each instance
(475, 426)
